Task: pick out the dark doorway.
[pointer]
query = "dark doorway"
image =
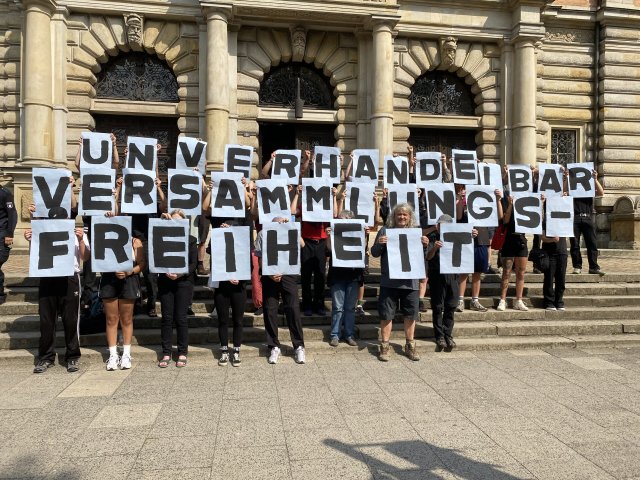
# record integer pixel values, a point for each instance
(441, 140)
(274, 136)
(163, 128)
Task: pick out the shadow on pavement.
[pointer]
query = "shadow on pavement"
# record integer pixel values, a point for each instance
(419, 460)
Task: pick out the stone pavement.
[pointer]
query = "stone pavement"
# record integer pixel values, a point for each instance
(561, 414)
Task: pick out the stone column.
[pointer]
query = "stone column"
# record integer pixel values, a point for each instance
(506, 97)
(524, 106)
(382, 101)
(60, 110)
(364, 91)
(217, 107)
(37, 83)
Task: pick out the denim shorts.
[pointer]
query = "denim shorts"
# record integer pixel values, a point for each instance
(389, 299)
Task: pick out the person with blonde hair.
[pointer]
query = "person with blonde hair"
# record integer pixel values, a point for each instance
(394, 291)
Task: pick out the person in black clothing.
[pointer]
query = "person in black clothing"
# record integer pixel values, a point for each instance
(175, 292)
(443, 288)
(8, 222)
(583, 224)
(60, 296)
(232, 295)
(556, 249)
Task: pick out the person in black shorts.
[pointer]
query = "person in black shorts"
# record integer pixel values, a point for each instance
(514, 254)
(393, 291)
(119, 292)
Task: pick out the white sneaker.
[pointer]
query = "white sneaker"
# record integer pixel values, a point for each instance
(274, 355)
(477, 306)
(300, 355)
(460, 307)
(577, 271)
(519, 305)
(112, 363)
(502, 306)
(224, 358)
(125, 362)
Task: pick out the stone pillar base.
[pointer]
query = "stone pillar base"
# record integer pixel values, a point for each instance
(625, 223)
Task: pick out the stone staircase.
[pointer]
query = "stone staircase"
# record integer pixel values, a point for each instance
(601, 311)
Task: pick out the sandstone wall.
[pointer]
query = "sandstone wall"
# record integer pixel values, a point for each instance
(10, 41)
(336, 54)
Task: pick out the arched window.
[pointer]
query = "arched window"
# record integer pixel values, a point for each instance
(441, 93)
(137, 77)
(279, 87)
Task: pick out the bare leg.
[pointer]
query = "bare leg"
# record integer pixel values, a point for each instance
(409, 329)
(507, 266)
(520, 266)
(112, 316)
(462, 284)
(422, 287)
(475, 285)
(385, 330)
(126, 320)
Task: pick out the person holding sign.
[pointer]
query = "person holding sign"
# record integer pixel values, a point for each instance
(119, 292)
(443, 289)
(556, 250)
(345, 286)
(394, 291)
(175, 292)
(583, 225)
(274, 287)
(231, 294)
(314, 261)
(514, 254)
(60, 296)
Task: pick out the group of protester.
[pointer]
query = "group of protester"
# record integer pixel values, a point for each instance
(119, 291)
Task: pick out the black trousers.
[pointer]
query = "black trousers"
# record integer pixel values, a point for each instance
(584, 226)
(228, 296)
(175, 298)
(4, 256)
(443, 290)
(150, 280)
(314, 263)
(59, 296)
(556, 272)
(271, 292)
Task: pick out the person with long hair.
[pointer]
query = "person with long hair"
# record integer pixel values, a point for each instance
(394, 291)
(175, 292)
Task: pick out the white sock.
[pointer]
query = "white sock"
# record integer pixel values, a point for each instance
(127, 350)
(113, 351)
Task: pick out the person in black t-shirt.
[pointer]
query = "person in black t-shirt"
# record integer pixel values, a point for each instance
(556, 249)
(583, 224)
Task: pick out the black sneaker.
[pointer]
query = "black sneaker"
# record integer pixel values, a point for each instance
(190, 311)
(258, 311)
(42, 366)
(596, 271)
(235, 358)
(73, 365)
(152, 313)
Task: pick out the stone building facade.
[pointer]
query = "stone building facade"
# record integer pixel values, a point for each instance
(522, 81)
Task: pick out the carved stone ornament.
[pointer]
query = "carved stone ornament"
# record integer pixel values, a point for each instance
(135, 29)
(298, 43)
(448, 47)
(565, 35)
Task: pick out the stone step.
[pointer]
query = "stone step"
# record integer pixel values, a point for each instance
(470, 329)
(208, 353)
(26, 323)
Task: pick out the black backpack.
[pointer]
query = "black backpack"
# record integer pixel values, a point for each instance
(92, 319)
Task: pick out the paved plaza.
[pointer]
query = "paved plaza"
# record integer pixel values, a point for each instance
(556, 414)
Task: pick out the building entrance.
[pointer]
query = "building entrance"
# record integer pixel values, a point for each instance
(442, 140)
(163, 128)
(274, 136)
